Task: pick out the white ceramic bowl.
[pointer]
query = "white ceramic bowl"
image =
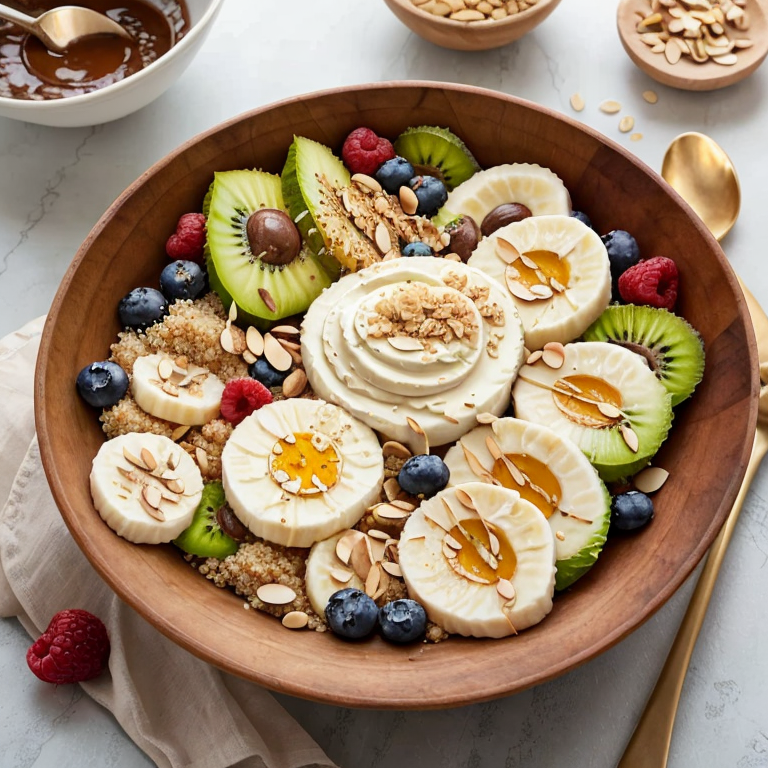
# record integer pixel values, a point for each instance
(121, 98)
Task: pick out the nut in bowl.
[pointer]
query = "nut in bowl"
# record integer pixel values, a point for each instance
(695, 46)
(624, 587)
(466, 25)
(110, 77)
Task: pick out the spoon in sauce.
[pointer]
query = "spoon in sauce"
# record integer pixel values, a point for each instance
(703, 175)
(58, 28)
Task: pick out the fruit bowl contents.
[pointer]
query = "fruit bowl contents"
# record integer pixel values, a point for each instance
(396, 389)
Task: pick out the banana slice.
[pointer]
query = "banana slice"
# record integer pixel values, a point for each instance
(145, 487)
(550, 472)
(556, 271)
(297, 471)
(539, 189)
(604, 398)
(172, 389)
(480, 560)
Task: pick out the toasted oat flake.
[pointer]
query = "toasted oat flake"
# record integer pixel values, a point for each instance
(577, 102)
(275, 594)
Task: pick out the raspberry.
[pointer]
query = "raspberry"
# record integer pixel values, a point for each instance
(241, 397)
(188, 240)
(652, 282)
(75, 647)
(364, 151)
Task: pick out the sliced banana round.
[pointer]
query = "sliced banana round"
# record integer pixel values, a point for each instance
(175, 390)
(480, 559)
(550, 472)
(556, 271)
(537, 188)
(414, 338)
(297, 471)
(604, 398)
(145, 487)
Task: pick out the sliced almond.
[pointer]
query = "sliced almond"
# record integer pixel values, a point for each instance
(165, 368)
(275, 594)
(295, 383)
(170, 389)
(295, 620)
(577, 102)
(553, 354)
(610, 107)
(372, 580)
(650, 479)
(506, 251)
(393, 448)
(175, 485)
(255, 341)
(226, 341)
(152, 496)
(390, 512)
(361, 557)
(626, 124)
(408, 200)
(367, 181)
(277, 355)
(505, 588)
(285, 330)
(534, 357)
(137, 462)
(486, 418)
(391, 488)
(450, 553)
(148, 458)
(405, 343)
(382, 238)
(202, 459)
(179, 432)
(672, 52)
(152, 511)
(728, 60)
(393, 569)
(630, 438)
(374, 533)
(608, 410)
(346, 544)
(339, 575)
(650, 96)
(475, 465)
(464, 498)
(518, 290)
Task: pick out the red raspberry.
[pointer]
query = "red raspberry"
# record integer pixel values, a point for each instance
(364, 151)
(188, 240)
(75, 647)
(241, 397)
(652, 282)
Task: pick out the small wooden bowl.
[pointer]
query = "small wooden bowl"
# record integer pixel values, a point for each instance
(706, 453)
(687, 74)
(470, 35)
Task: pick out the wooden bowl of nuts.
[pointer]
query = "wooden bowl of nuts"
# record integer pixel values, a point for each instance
(472, 25)
(694, 45)
(705, 453)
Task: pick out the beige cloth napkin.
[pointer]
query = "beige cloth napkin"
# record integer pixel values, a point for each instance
(179, 710)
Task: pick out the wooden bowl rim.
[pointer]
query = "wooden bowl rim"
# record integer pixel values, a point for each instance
(377, 698)
(687, 75)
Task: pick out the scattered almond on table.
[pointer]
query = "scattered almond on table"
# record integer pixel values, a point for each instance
(702, 30)
(474, 10)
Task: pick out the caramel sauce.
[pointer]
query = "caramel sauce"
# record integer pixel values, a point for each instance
(549, 263)
(582, 407)
(302, 459)
(470, 559)
(541, 487)
(28, 70)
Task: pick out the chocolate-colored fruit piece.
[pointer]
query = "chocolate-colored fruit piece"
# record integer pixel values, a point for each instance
(499, 217)
(465, 235)
(273, 235)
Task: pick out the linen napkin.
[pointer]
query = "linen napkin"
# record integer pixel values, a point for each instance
(179, 710)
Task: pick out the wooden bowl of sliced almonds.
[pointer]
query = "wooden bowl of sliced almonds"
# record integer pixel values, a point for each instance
(694, 45)
(705, 454)
(471, 25)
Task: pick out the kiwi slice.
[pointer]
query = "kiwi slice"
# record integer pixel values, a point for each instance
(437, 152)
(263, 291)
(672, 348)
(204, 537)
(310, 179)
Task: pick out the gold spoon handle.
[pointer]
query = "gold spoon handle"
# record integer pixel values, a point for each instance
(649, 745)
(27, 23)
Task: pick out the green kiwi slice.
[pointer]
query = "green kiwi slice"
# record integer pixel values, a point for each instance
(263, 292)
(673, 350)
(204, 537)
(437, 152)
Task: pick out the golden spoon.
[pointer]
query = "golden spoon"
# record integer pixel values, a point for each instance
(649, 745)
(58, 28)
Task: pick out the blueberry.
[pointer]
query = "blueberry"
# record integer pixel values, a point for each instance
(403, 621)
(102, 385)
(431, 194)
(182, 280)
(262, 371)
(142, 307)
(350, 613)
(582, 217)
(417, 249)
(623, 253)
(424, 474)
(395, 173)
(630, 510)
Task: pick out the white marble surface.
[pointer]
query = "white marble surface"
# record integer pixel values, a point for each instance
(54, 185)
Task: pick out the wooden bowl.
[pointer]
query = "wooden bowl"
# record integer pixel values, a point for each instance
(686, 74)
(705, 454)
(470, 35)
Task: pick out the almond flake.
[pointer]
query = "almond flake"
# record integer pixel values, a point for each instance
(179, 432)
(170, 389)
(408, 200)
(337, 574)
(346, 544)
(494, 543)
(175, 485)
(295, 383)
(534, 357)
(506, 251)
(611, 107)
(266, 297)
(414, 425)
(672, 52)
(609, 410)
(133, 459)
(626, 124)
(391, 488)
(393, 569)
(451, 554)
(361, 557)
(285, 330)
(477, 468)
(650, 479)
(577, 102)
(382, 238)
(152, 496)
(389, 512)
(372, 580)
(202, 459)
(277, 356)
(367, 181)
(630, 438)
(374, 533)
(465, 499)
(541, 291)
(486, 418)
(728, 60)
(165, 368)
(295, 620)
(255, 341)
(232, 312)
(393, 448)
(148, 458)
(405, 343)
(520, 291)
(226, 341)
(553, 355)
(157, 514)
(292, 486)
(505, 588)
(275, 594)
(249, 357)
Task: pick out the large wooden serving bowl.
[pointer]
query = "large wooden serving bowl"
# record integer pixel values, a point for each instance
(635, 575)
